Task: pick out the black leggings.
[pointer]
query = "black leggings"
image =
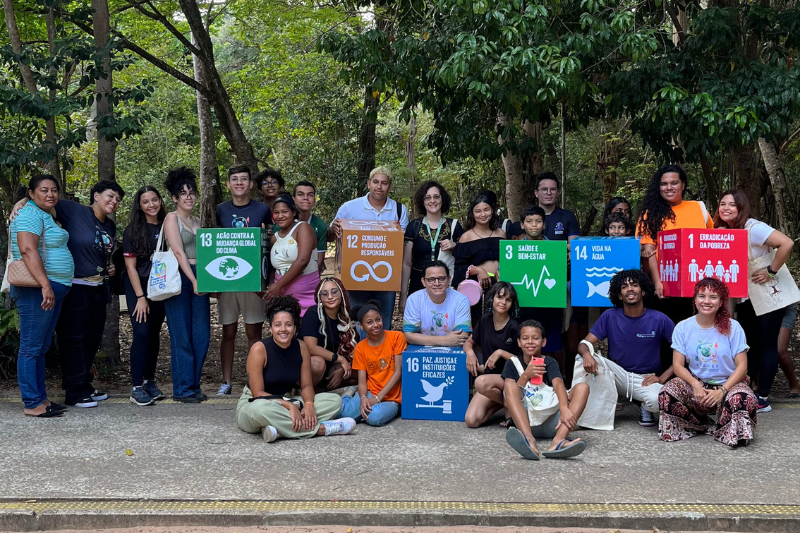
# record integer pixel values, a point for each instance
(762, 337)
(146, 335)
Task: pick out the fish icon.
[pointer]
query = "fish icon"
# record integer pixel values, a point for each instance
(599, 289)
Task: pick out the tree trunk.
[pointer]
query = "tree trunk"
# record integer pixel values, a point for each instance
(210, 187)
(30, 84)
(513, 167)
(218, 94)
(366, 138)
(777, 178)
(103, 107)
(747, 175)
(411, 162)
(711, 183)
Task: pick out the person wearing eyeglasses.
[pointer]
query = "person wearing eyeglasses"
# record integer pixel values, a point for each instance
(439, 315)
(239, 212)
(188, 313)
(271, 183)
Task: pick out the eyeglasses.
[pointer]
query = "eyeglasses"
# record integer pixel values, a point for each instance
(335, 293)
(437, 280)
(430, 198)
(186, 195)
(269, 183)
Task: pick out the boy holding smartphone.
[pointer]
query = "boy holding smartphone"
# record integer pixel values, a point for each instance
(544, 373)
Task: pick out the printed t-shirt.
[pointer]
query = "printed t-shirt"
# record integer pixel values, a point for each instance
(560, 225)
(551, 370)
(144, 262)
(378, 363)
(424, 316)
(688, 214)
(251, 215)
(489, 340)
(417, 233)
(709, 352)
(634, 343)
(58, 265)
(90, 240)
(320, 230)
(759, 233)
(310, 328)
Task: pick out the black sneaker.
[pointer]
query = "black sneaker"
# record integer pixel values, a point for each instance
(139, 396)
(646, 418)
(151, 389)
(83, 402)
(99, 396)
(763, 405)
(196, 397)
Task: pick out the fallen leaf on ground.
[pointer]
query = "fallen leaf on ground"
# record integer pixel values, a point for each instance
(128, 452)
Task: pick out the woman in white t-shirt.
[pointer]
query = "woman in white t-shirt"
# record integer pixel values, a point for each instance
(715, 380)
(761, 331)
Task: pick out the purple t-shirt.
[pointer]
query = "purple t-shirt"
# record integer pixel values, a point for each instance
(634, 343)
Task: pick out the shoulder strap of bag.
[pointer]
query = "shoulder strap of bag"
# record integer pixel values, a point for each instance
(399, 209)
(704, 210)
(518, 365)
(160, 242)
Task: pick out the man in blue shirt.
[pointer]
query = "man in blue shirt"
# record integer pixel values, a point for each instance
(635, 335)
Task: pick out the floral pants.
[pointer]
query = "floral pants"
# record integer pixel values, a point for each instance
(682, 417)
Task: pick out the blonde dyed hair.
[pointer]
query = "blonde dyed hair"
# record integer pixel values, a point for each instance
(381, 170)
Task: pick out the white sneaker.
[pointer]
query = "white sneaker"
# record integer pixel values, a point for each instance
(269, 433)
(225, 389)
(99, 396)
(340, 426)
(646, 418)
(350, 391)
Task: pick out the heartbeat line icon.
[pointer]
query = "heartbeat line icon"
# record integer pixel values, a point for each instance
(530, 284)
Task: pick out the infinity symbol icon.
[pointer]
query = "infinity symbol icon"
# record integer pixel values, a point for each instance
(370, 223)
(371, 269)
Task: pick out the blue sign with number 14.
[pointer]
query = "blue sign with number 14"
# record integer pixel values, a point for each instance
(594, 261)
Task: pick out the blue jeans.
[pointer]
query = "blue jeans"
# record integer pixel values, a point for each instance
(386, 298)
(36, 328)
(189, 322)
(381, 414)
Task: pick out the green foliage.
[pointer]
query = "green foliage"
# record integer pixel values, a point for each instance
(9, 341)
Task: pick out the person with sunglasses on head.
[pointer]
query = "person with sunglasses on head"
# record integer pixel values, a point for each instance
(239, 212)
(188, 313)
(439, 315)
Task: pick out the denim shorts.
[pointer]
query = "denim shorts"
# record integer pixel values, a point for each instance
(790, 317)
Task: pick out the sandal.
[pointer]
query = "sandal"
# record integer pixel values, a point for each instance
(563, 452)
(49, 413)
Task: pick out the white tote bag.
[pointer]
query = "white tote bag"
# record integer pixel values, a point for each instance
(777, 293)
(540, 401)
(602, 403)
(165, 277)
(446, 256)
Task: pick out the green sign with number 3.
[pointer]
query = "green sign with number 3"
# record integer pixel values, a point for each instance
(232, 260)
(538, 271)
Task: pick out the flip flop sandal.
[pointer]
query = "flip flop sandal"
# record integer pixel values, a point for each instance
(49, 413)
(517, 440)
(57, 407)
(507, 423)
(563, 452)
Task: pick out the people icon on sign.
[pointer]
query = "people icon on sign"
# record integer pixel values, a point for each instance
(709, 270)
(696, 273)
(693, 271)
(734, 269)
(719, 271)
(675, 271)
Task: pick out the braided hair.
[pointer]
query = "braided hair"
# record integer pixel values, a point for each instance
(655, 211)
(345, 325)
(722, 321)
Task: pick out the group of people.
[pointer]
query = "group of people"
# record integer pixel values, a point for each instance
(681, 358)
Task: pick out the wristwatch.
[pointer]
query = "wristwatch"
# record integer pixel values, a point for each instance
(334, 357)
(771, 273)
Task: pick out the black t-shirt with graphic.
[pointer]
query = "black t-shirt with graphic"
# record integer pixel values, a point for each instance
(143, 262)
(251, 215)
(489, 340)
(90, 240)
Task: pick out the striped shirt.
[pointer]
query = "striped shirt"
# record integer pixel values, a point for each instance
(59, 265)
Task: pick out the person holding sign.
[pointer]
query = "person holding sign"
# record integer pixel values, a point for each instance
(426, 237)
(539, 404)
(762, 328)
(292, 255)
(376, 205)
(495, 340)
(239, 212)
(270, 403)
(439, 315)
(710, 362)
(379, 362)
(635, 335)
(188, 313)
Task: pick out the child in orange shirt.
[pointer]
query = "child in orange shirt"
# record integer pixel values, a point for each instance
(379, 362)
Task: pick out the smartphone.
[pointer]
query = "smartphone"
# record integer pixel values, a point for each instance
(538, 380)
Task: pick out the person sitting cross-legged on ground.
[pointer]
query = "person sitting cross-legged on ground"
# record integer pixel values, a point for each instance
(715, 379)
(550, 412)
(493, 341)
(439, 315)
(269, 403)
(635, 335)
(379, 362)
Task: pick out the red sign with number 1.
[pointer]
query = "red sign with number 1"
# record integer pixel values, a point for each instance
(685, 256)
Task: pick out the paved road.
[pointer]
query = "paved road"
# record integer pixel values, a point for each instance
(196, 452)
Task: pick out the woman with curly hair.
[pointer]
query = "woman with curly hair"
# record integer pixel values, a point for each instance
(426, 237)
(663, 208)
(330, 334)
(271, 403)
(715, 379)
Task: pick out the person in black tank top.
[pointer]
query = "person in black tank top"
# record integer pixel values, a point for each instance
(271, 402)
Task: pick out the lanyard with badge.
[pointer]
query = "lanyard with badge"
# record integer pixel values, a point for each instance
(434, 240)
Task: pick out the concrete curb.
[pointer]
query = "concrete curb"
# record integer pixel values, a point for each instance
(93, 514)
